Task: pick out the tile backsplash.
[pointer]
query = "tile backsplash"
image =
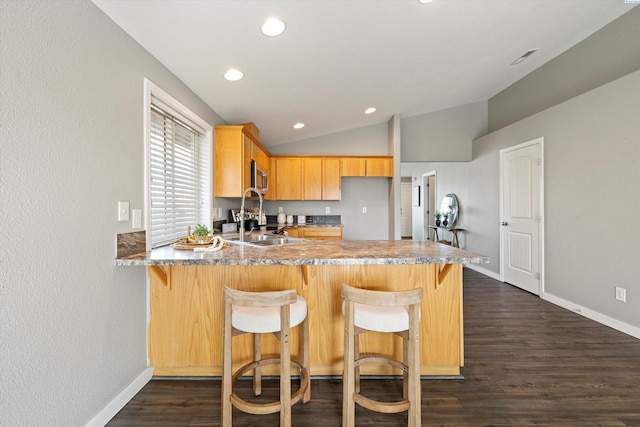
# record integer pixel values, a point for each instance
(128, 244)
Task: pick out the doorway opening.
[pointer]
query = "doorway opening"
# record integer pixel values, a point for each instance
(406, 214)
(429, 202)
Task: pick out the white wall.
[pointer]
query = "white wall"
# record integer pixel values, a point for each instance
(591, 177)
(73, 332)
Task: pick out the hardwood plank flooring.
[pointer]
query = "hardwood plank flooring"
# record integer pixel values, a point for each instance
(528, 363)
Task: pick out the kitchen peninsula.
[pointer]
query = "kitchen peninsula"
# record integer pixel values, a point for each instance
(186, 299)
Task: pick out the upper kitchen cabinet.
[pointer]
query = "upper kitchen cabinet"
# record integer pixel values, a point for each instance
(331, 179)
(235, 147)
(306, 178)
(288, 177)
(367, 166)
(321, 178)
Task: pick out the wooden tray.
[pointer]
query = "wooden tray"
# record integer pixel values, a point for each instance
(185, 246)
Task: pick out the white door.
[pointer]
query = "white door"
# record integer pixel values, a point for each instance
(521, 215)
(405, 209)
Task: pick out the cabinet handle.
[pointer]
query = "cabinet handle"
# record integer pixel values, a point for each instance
(504, 223)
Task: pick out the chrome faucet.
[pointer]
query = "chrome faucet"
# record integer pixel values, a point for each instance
(248, 190)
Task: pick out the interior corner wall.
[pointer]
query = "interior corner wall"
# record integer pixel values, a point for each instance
(590, 173)
(73, 333)
(606, 55)
(395, 232)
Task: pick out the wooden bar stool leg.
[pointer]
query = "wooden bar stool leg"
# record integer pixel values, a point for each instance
(356, 356)
(405, 373)
(227, 408)
(413, 365)
(257, 373)
(285, 369)
(305, 357)
(348, 378)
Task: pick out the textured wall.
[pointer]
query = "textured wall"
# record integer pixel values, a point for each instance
(591, 176)
(73, 326)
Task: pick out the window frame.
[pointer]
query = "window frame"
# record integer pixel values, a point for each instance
(172, 106)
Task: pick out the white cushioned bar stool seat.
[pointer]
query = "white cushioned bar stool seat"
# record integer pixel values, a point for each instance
(261, 320)
(258, 313)
(395, 312)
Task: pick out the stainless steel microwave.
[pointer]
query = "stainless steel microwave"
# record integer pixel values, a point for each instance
(259, 177)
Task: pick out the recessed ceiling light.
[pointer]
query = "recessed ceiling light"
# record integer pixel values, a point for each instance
(233, 75)
(298, 126)
(370, 110)
(273, 27)
(524, 56)
(425, 1)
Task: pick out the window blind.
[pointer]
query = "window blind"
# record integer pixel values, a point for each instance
(178, 177)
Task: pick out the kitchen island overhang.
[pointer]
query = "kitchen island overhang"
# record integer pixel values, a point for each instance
(186, 303)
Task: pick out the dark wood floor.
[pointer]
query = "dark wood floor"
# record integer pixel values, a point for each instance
(528, 363)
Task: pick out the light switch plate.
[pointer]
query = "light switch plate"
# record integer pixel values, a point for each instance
(123, 211)
(136, 218)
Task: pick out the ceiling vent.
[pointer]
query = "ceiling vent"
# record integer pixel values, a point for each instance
(524, 56)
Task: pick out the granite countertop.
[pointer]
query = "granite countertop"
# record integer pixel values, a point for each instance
(314, 252)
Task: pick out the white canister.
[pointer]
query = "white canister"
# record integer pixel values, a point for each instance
(289, 219)
(282, 218)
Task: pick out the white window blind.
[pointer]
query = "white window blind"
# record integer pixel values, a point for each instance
(179, 177)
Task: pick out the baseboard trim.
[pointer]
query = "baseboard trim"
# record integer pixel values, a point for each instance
(593, 315)
(119, 402)
(476, 267)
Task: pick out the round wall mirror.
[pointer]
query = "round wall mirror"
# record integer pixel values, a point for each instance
(449, 209)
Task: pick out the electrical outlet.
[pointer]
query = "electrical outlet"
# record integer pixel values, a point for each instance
(364, 209)
(123, 211)
(621, 294)
(327, 210)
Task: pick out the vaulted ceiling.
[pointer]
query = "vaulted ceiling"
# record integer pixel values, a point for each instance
(338, 57)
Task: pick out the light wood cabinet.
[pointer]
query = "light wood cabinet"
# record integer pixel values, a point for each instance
(291, 177)
(306, 178)
(294, 232)
(367, 166)
(331, 179)
(379, 166)
(312, 179)
(321, 233)
(316, 233)
(354, 167)
(288, 178)
(321, 179)
(186, 315)
(235, 147)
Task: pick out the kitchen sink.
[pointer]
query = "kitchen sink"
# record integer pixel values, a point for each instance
(262, 240)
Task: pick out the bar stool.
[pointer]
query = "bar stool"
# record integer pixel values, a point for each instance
(258, 313)
(394, 312)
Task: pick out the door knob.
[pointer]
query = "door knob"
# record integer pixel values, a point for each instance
(505, 223)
